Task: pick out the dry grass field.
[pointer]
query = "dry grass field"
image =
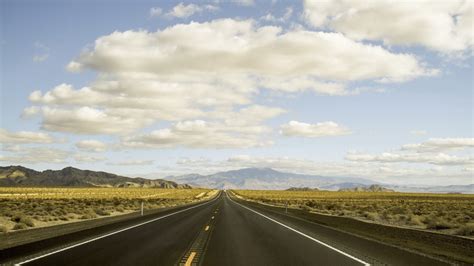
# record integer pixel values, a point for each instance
(23, 208)
(447, 213)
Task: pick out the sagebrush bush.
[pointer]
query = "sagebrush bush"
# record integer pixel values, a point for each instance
(20, 226)
(466, 230)
(3, 229)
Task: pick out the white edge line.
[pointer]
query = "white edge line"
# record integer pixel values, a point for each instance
(113, 233)
(303, 234)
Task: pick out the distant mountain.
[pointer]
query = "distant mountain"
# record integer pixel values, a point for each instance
(302, 189)
(13, 176)
(467, 189)
(371, 188)
(263, 178)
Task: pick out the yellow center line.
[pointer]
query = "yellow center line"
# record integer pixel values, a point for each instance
(207, 228)
(190, 259)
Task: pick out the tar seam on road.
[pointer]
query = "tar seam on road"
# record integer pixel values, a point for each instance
(194, 255)
(113, 233)
(301, 233)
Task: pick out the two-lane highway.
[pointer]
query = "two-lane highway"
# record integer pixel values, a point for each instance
(224, 231)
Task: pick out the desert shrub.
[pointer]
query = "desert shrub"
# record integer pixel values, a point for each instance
(415, 220)
(466, 230)
(371, 216)
(437, 223)
(3, 229)
(20, 226)
(21, 218)
(306, 208)
(101, 212)
(17, 217)
(28, 221)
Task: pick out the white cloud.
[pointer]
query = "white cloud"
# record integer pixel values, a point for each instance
(132, 162)
(431, 151)
(91, 145)
(87, 120)
(323, 129)
(40, 58)
(387, 157)
(148, 77)
(7, 137)
(244, 2)
(86, 158)
(444, 26)
(419, 132)
(41, 52)
(22, 155)
(235, 47)
(441, 144)
(199, 134)
(74, 67)
(155, 11)
(184, 11)
(281, 19)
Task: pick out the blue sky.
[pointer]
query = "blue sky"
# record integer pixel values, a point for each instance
(179, 87)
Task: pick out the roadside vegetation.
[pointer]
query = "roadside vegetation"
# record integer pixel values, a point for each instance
(446, 213)
(23, 208)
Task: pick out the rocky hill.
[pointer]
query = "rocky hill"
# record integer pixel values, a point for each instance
(13, 176)
(372, 188)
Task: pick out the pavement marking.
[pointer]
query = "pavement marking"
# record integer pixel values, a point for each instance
(207, 228)
(113, 233)
(212, 217)
(190, 259)
(303, 234)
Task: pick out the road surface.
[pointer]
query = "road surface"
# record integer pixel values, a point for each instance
(225, 232)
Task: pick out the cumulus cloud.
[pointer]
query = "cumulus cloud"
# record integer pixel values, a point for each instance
(280, 19)
(87, 120)
(184, 11)
(41, 52)
(8, 137)
(235, 47)
(33, 155)
(199, 134)
(444, 26)
(177, 75)
(387, 157)
(132, 162)
(155, 11)
(244, 2)
(40, 58)
(87, 158)
(441, 144)
(418, 132)
(323, 129)
(91, 145)
(432, 151)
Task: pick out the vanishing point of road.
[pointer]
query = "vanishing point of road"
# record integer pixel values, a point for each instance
(225, 231)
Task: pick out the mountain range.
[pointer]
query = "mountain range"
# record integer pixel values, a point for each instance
(247, 178)
(267, 178)
(73, 177)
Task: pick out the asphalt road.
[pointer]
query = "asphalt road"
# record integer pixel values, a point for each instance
(226, 232)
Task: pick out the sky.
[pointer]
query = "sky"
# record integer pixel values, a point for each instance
(366, 89)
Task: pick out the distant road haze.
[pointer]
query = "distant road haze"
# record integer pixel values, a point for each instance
(225, 231)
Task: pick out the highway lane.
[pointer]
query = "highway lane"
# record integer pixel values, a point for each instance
(161, 242)
(227, 232)
(243, 236)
